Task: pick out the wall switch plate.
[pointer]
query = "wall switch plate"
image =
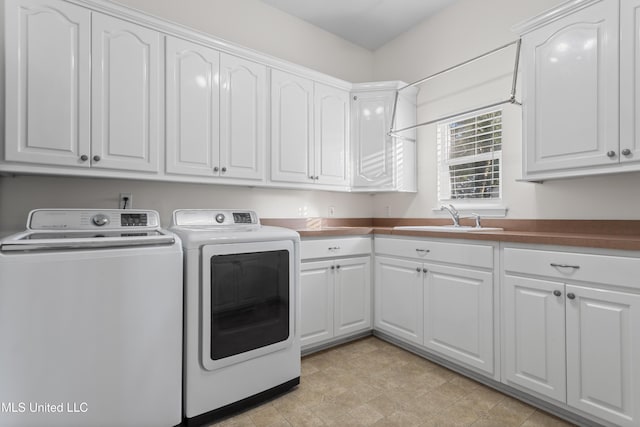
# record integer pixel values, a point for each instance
(332, 211)
(125, 201)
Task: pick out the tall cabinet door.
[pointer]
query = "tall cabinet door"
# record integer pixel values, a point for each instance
(192, 108)
(458, 315)
(534, 335)
(243, 110)
(291, 128)
(571, 100)
(373, 159)
(352, 311)
(630, 81)
(48, 46)
(603, 349)
(398, 298)
(331, 135)
(316, 302)
(126, 95)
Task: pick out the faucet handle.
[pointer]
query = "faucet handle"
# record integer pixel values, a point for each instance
(478, 218)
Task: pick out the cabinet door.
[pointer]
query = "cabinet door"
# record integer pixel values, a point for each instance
(331, 135)
(316, 306)
(458, 315)
(571, 91)
(603, 354)
(291, 128)
(243, 110)
(373, 159)
(352, 310)
(126, 95)
(48, 75)
(398, 298)
(534, 335)
(192, 108)
(630, 81)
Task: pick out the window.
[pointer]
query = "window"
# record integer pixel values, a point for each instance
(469, 158)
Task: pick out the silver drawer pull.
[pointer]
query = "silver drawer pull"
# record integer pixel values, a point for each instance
(423, 251)
(553, 264)
(334, 248)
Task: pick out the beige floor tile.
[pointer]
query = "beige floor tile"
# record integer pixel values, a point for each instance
(372, 383)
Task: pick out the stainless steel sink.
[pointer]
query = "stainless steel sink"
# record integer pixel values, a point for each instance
(447, 228)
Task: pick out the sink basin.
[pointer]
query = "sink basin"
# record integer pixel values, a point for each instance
(447, 228)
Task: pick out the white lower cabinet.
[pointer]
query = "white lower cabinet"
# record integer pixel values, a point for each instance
(573, 340)
(398, 298)
(423, 299)
(335, 289)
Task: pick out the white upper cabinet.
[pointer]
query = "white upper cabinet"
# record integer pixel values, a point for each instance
(193, 97)
(331, 144)
(48, 71)
(291, 128)
(630, 80)
(309, 131)
(126, 95)
(243, 111)
(581, 66)
(381, 162)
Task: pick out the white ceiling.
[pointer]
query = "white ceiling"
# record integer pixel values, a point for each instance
(368, 23)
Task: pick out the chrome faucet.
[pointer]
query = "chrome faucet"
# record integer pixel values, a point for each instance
(454, 214)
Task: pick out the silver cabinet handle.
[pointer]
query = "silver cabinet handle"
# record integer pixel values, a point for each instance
(553, 264)
(571, 295)
(424, 270)
(84, 157)
(423, 251)
(338, 266)
(334, 248)
(96, 158)
(557, 293)
(333, 267)
(216, 169)
(611, 153)
(626, 152)
(224, 169)
(418, 269)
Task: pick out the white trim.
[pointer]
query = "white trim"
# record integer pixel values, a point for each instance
(551, 15)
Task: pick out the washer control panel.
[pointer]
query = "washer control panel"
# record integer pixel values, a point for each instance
(91, 219)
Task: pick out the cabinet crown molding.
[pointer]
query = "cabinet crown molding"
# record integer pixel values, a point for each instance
(551, 15)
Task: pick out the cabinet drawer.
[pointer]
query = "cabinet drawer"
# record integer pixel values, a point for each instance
(334, 247)
(604, 269)
(427, 250)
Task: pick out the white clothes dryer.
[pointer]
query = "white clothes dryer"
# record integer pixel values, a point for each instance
(242, 339)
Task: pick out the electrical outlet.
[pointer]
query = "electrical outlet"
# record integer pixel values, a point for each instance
(332, 211)
(125, 201)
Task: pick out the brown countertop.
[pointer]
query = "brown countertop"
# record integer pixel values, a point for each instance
(617, 234)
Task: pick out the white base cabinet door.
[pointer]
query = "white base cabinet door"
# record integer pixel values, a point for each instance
(316, 306)
(352, 311)
(127, 95)
(458, 315)
(534, 335)
(48, 70)
(399, 298)
(603, 353)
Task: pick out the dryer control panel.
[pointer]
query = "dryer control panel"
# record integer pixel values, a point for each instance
(214, 218)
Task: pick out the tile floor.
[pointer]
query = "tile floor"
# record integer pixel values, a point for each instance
(372, 383)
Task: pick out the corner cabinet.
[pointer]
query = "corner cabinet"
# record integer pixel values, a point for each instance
(572, 329)
(335, 287)
(580, 67)
(309, 131)
(381, 162)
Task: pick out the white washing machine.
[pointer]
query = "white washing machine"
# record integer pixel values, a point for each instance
(242, 339)
(91, 321)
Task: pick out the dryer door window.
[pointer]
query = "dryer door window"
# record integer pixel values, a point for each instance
(249, 301)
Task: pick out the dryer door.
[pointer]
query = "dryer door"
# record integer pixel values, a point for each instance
(248, 301)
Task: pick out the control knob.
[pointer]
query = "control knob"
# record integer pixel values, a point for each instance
(100, 220)
(220, 218)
